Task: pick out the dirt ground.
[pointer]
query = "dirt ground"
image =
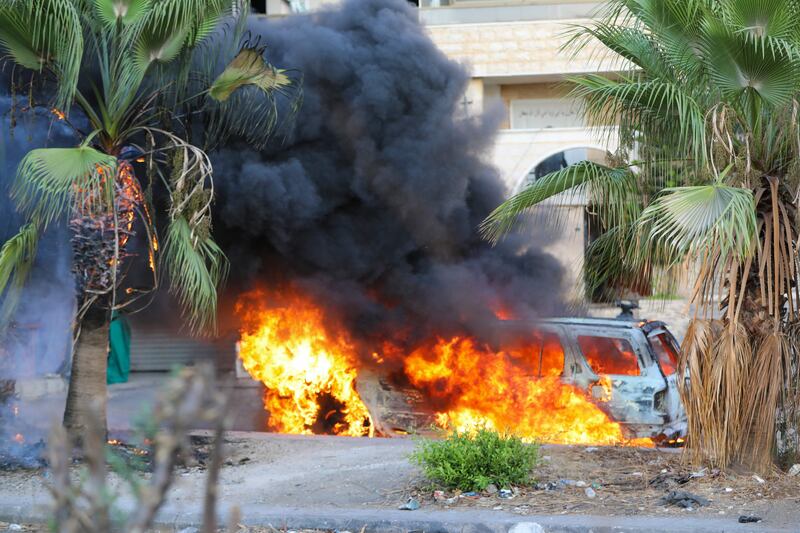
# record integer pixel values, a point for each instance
(632, 481)
(316, 472)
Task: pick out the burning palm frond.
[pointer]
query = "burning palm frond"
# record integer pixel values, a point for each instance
(51, 180)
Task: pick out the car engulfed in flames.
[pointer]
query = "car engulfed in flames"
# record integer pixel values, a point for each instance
(566, 381)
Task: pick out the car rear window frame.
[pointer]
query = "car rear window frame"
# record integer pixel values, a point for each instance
(641, 367)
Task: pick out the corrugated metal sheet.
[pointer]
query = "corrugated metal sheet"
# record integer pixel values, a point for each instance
(154, 350)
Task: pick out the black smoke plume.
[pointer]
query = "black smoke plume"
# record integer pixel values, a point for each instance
(373, 200)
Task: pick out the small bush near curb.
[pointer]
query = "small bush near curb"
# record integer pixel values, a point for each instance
(471, 460)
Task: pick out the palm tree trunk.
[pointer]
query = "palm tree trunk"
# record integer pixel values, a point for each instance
(88, 393)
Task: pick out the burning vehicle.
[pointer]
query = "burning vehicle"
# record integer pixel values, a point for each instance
(627, 368)
(567, 380)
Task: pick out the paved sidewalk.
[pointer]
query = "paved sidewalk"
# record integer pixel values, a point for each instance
(391, 521)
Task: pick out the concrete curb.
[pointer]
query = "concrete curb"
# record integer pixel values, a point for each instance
(434, 521)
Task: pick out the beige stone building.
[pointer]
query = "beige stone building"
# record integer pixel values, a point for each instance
(514, 51)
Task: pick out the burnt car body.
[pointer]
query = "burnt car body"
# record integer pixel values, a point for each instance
(628, 368)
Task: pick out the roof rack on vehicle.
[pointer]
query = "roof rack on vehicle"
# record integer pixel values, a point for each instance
(627, 307)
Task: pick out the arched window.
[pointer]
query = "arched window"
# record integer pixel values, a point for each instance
(563, 159)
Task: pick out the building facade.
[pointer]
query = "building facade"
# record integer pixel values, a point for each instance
(515, 52)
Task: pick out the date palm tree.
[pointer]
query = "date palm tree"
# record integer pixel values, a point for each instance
(707, 100)
(149, 86)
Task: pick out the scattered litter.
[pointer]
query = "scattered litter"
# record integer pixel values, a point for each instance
(749, 519)
(411, 505)
(591, 449)
(795, 470)
(506, 494)
(590, 493)
(438, 495)
(491, 488)
(728, 489)
(668, 481)
(14, 527)
(470, 494)
(699, 473)
(567, 482)
(580, 484)
(498, 507)
(596, 485)
(190, 529)
(546, 458)
(637, 474)
(682, 498)
(759, 479)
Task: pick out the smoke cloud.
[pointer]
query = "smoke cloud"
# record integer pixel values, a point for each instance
(38, 339)
(373, 199)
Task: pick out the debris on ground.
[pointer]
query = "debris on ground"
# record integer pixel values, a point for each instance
(669, 480)
(794, 470)
(632, 481)
(411, 505)
(590, 493)
(684, 499)
(749, 519)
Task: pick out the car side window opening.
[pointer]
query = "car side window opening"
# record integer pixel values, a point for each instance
(608, 355)
(548, 356)
(665, 353)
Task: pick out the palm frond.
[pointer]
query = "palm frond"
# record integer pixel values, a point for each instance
(248, 68)
(16, 260)
(612, 189)
(45, 33)
(737, 66)
(160, 36)
(247, 99)
(644, 106)
(692, 220)
(50, 180)
(123, 11)
(197, 267)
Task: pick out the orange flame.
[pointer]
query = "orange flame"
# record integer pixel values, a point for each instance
(287, 347)
(304, 357)
(504, 391)
(19, 438)
(58, 113)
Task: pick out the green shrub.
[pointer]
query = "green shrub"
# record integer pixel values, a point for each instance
(472, 460)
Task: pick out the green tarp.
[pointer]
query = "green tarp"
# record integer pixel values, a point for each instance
(119, 352)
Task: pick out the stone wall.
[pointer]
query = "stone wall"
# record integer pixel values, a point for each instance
(531, 48)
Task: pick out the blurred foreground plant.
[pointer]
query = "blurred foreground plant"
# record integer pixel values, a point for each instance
(86, 503)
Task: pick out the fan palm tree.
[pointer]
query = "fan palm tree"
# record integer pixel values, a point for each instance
(707, 100)
(159, 83)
